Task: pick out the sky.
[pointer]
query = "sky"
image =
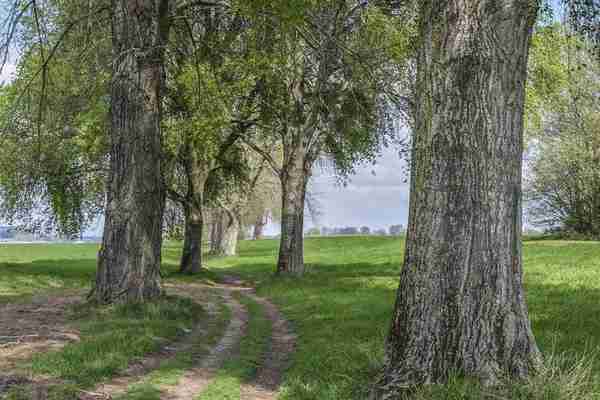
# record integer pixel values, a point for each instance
(376, 196)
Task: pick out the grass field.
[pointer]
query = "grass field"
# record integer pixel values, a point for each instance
(341, 308)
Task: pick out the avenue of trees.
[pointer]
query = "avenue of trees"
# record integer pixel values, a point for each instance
(201, 118)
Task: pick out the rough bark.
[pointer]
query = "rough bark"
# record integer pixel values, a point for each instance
(196, 172)
(129, 258)
(461, 305)
(294, 177)
(191, 259)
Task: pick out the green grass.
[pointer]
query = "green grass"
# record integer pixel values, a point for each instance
(28, 269)
(342, 307)
(115, 335)
(171, 370)
(111, 338)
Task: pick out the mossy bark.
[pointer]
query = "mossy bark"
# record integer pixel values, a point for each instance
(461, 307)
(129, 258)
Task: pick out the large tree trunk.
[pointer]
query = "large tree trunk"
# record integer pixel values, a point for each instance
(461, 306)
(291, 248)
(191, 258)
(129, 259)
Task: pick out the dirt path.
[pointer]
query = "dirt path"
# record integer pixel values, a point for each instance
(209, 299)
(46, 316)
(195, 380)
(276, 360)
(29, 328)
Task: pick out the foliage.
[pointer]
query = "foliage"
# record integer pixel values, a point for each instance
(397, 230)
(52, 120)
(328, 78)
(584, 17)
(563, 188)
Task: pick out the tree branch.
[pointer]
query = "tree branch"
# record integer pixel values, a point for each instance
(265, 155)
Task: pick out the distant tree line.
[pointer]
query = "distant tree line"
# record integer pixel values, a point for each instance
(393, 230)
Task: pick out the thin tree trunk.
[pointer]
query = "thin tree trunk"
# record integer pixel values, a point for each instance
(291, 248)
(259, 226)
(191, 259)
(230, 234)
(461, 305)
(217, 231)
(186, 253)
(129, 258)
(196, 173)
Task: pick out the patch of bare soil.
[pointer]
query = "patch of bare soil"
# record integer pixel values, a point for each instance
(6, 382)
(29, 328)
(41, 326)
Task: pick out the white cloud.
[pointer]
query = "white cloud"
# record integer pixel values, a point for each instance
(376, 196)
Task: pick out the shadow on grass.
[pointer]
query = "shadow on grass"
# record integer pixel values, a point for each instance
(565, 319)
(342, 313)
(341, 309)
(25, 279)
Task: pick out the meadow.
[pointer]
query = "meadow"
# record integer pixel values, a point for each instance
(340, 309)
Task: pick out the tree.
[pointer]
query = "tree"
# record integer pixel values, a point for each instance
(52, 122)
(348, 230)
(365, 230)
(232, 204)
(563, 187)
(461, 307)
(584, 17)
(326, 80)
(212, 96)
(129, 258)
(130, 254)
